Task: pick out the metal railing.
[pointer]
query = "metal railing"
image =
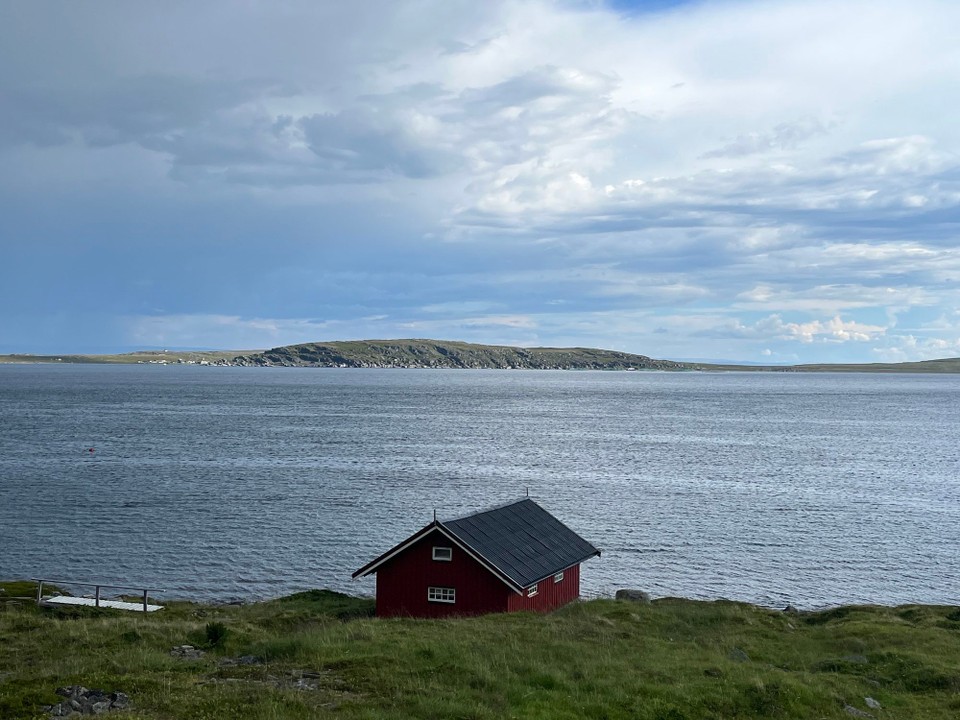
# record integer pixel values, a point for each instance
(97, 586)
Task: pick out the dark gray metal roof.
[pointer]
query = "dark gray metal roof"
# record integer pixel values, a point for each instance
(521, 540)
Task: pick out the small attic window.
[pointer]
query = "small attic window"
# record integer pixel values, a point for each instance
(533, 590)
(558, 577)
(443, 553)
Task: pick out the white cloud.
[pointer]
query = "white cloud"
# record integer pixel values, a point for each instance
(832, 298)
(909, 348)
(773, 327)
(833, 330)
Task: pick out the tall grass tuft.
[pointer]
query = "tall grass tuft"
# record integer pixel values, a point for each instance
(216, 633)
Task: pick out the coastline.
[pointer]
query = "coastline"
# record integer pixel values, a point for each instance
(450, 354)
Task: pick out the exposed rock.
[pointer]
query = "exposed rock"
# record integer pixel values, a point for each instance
(856, 659)
(305, 680)
(242, 660)
(738, 655)
(791, 610)
(856, 712)
(81, 701)
(871, 703)
(633, 595)
(187, 652)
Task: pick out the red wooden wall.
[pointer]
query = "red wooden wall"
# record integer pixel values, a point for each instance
(403, 580)
(550, 595)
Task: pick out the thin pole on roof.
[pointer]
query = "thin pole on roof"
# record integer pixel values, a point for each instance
(434, 514)
(528, 491)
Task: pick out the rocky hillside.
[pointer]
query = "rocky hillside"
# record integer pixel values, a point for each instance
(443, 354)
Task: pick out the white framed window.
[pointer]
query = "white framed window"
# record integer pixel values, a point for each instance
(531, 591)
(558, 577)
(442, 553)
(442, 594)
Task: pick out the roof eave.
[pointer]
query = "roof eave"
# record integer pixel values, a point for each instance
(596, 553)
(372, 566)
(395, 550)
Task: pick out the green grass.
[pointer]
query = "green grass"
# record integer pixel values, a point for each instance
(323, 656)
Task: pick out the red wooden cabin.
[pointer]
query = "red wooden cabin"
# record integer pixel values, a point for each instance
(513, 557)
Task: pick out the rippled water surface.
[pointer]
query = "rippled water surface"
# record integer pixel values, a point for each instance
(220, 483)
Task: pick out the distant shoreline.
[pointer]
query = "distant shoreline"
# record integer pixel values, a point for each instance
(445, 354)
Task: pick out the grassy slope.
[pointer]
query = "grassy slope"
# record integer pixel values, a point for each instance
(452, 354)
(670, 660)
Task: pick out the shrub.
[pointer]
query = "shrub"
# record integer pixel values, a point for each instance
(216, 633)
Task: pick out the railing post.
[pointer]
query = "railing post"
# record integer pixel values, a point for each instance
(98, 600)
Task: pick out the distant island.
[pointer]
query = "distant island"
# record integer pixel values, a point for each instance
(443, 354)
(448, 354)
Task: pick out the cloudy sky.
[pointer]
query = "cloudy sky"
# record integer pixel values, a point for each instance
(770, 181)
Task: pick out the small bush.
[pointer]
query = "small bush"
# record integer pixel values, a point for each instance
(216, 633)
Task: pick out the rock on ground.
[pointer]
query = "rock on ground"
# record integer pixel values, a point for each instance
(82, 701)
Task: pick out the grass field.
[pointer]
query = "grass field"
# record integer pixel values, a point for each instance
(319, 654)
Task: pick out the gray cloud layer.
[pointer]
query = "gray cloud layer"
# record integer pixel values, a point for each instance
(771, 179)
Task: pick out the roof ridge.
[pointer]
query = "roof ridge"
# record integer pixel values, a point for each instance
(491, 509)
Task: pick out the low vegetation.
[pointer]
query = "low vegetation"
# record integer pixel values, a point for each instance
(321, 654)
(165, 357)
(445, 354)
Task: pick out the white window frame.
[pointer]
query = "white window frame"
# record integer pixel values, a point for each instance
(533, 590)
(558, 577)
(440, 558)
(442, 594)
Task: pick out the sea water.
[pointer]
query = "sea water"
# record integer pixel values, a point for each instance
(219, 483)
